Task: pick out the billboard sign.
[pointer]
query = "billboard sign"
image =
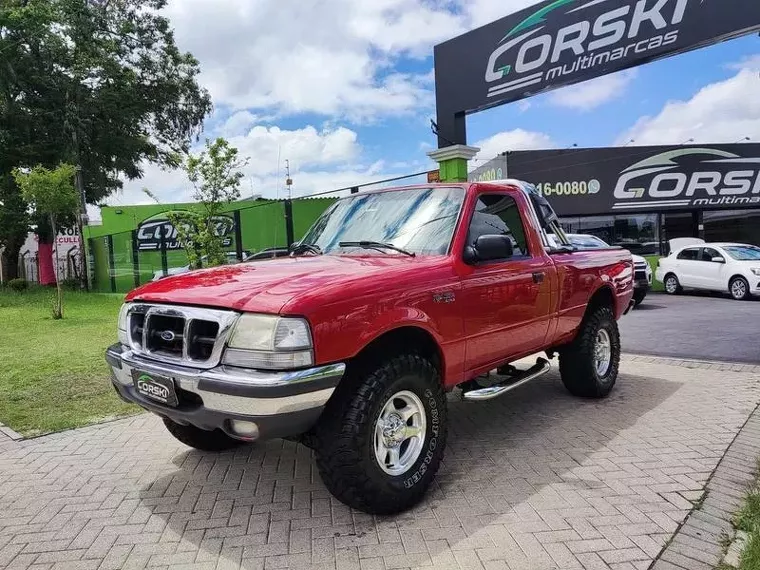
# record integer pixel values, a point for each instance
(615, 180)
(150, 232)
(562, 42)
(495, 169)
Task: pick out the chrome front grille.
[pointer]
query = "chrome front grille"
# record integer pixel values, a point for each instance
(183, 335)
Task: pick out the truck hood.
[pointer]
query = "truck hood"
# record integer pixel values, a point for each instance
(267, 286)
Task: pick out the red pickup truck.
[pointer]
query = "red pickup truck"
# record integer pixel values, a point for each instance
(391, 299)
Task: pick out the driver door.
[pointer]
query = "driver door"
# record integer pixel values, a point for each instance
(507, 301)
(709, 272)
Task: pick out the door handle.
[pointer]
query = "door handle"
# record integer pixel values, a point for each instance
(538, 277)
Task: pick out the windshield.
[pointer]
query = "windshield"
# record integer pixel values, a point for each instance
(744, 252)
(419, 220)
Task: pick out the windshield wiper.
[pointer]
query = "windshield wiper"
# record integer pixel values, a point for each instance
(306, 248)
(376, 245)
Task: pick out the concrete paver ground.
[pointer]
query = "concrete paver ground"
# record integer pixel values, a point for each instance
(534, 480)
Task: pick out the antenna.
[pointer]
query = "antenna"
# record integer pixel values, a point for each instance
(288, 179)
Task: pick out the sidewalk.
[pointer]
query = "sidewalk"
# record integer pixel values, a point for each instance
(534, 480)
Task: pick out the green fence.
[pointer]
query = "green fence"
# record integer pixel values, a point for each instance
(120, 262)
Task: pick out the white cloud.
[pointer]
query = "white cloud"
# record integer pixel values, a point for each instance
(267, 149)
(481, 12)
(238, 123)
(594, 93)
(517, 139)
(725, 111)
(332, 57)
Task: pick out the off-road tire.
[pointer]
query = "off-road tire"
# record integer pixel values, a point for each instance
(672, 291)
(345, 435)
(734, 294)
(576, 361)
(201, 439)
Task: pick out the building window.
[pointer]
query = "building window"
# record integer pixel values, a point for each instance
(637, 233)
(741, 226)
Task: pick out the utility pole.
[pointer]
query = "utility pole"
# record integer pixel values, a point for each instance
(288, 179)
(82, 219)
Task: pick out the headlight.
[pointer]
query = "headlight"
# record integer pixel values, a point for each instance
(123, 336)
(269, 342)
(755, 270)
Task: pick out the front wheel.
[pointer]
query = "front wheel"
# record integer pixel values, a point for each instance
(382, 436)
(739, 289)
(589, 365)
(638, 298)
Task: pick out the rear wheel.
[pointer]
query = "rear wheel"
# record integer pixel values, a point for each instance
(201, 439)
(739, 288)
(672, 285)
(589, 365)
(382, 436)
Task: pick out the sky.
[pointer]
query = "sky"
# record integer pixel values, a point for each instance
(343, 90)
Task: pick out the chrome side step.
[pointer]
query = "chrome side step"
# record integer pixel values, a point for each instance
(541, 367)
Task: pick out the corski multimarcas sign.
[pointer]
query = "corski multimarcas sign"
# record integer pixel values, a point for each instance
(657, 178)
(562, 42)
(150, 232)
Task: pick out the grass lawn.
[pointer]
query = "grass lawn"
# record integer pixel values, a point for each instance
(53, 375)
(748, 520)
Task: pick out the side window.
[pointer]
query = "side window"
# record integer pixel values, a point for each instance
(497, 214)
(689, 254)
(708, 253)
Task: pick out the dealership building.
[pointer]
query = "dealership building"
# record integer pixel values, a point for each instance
(641, 197)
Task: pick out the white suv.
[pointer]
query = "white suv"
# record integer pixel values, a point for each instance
(732, 267)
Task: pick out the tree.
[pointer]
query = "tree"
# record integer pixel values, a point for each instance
(100, 85)
(215, 176)
(52, 195)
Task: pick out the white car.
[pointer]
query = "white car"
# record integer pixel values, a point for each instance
(642, 271)
(731, 267)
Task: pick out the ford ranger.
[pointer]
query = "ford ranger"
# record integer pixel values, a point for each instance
(393, 298)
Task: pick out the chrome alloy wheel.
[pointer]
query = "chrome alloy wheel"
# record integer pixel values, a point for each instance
(602, 352)
(400, 433)
(738, 289)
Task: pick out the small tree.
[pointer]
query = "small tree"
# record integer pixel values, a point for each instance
(51, 194)
(215, 175)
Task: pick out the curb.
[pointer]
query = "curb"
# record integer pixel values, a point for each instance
(723, 366)
(699, 542)
(9, 433)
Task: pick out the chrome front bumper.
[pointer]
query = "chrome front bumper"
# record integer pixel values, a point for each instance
(281, 404)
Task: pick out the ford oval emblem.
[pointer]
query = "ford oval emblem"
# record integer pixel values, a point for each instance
(168, 336)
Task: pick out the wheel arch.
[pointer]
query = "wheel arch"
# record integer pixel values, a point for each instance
(402, 338)
(736, 276)
(604, 296)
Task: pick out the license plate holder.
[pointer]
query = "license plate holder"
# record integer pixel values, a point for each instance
(155, 387)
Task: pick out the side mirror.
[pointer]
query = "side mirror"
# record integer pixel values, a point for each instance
(489, 248)
(718, 259)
